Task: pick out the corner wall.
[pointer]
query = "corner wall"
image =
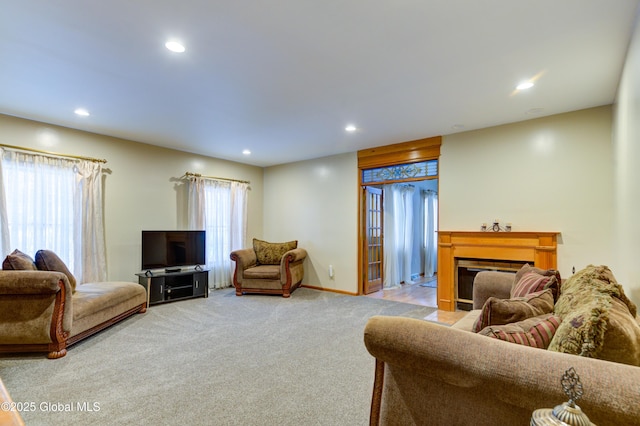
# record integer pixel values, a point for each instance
(626, 163)
(142, 189)
(316, 203)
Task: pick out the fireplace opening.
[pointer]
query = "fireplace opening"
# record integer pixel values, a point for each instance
(466, 271)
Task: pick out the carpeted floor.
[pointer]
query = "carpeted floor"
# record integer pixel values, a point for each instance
(224, 360)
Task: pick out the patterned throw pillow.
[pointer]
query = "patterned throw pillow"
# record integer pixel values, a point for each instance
(18, 261)
(506, 311)
(536, 332)
(271, 253)
(46, 260)
(530, 279)
(598, 319)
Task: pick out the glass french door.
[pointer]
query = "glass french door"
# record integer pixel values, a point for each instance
(373, 241)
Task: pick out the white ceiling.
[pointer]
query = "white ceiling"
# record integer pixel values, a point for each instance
(283, 78)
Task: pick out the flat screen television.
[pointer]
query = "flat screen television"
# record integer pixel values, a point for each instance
(172, 249)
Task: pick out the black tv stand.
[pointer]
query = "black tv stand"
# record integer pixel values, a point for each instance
(170, 286)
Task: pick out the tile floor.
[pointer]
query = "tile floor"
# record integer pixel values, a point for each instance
(417, 294)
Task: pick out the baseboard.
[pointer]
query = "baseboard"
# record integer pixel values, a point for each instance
(332, 290)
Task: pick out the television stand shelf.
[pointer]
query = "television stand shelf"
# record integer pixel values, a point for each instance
(169, 286)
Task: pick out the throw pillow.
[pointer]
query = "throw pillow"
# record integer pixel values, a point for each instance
(505, 311)
(19, 261)
(598, 320)
(530, 279)
(536, 332)
(271, 253)
(46, 260)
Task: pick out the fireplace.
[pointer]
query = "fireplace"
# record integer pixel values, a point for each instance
(466, 271)
(504, 250)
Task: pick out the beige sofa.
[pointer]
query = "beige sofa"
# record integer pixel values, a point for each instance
(430, 374)
(39, 311)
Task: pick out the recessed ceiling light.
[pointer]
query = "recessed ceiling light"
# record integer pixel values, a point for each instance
(81, 111)
(246, 152)
(525, 85)
(174, 46)
(350, 128)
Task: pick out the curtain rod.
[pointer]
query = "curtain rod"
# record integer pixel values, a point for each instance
(55, 154)
(189, 174)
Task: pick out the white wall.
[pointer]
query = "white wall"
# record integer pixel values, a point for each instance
(316, 203)
(626, 160)
(548, 174)
(142, 188)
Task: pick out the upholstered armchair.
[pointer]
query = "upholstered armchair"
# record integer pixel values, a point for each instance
(270, 268)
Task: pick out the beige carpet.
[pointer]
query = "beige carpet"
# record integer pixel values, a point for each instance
(225, 360)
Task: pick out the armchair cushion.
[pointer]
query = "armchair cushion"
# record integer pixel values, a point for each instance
(263, 272)
(46, 260)
(19, 261)
(271, 253)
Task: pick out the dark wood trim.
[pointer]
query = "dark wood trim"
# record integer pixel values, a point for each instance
(58, 348)
(93, 330)
(268, 291)
(376, 398)
(286, 288)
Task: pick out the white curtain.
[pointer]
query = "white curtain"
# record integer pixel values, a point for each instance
(90, 252)
(5, 240)
(398, 234)
(430, 245)
(56, 204)
(238, 215)
(219, 208)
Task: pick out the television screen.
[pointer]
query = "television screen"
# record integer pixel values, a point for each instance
(172, 249)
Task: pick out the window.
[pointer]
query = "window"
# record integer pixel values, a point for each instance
(54, 203)
(219, 207)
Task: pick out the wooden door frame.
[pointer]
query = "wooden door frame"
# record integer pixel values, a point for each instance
(389, 155)
(366, 247)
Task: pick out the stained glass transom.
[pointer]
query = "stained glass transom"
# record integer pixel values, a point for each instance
(399, 172)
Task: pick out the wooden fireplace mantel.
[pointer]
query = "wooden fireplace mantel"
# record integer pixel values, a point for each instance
(536, 248)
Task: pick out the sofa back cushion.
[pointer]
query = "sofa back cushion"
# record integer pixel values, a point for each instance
(271, 253)
(19, 261)
(46, 260)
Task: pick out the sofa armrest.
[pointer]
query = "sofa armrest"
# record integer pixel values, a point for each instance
(431, 374)
(35, 306)
(244, 258)
(488, 284)
(294, 255)
(292, 267)
(31, 282)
